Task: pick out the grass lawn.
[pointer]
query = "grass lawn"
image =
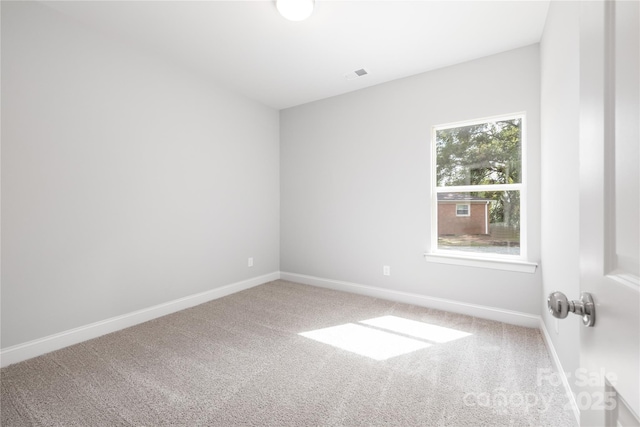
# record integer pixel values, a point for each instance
(479, 240)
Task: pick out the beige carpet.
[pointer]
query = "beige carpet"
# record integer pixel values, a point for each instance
(240, 360)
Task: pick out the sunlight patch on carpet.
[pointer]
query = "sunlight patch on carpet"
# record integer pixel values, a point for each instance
(365, 341)
(425, 331)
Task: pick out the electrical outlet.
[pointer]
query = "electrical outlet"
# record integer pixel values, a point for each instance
(386, 270)
(250, 262)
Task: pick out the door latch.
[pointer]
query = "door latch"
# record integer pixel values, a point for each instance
(559, 306)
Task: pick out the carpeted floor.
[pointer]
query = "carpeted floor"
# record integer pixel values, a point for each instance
(240, 360)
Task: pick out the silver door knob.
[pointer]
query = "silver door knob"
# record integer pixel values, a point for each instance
(560, 307)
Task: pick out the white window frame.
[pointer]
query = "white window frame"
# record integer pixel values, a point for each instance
(519, 262)
(468, 205)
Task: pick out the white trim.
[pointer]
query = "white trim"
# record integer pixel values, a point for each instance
(558, 365)
(479, 121)
(434, 193)
(524, 191)
(486, 218)
(496, 263)
(478, 188)
(522, 186)
(626, 417)
(485, 312)
(37, 347)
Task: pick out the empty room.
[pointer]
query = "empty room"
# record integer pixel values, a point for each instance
(320, 213)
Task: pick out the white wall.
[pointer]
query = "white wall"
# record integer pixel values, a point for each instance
(560, 83)
(355, 180)
(126, 182)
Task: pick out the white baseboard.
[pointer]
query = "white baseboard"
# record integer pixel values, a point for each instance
(485, 312)
(28, 350)
(561, 372)
(24, 351)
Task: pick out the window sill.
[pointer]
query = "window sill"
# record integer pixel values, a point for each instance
(495, 264)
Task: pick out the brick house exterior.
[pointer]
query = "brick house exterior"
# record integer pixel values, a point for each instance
(462, 214)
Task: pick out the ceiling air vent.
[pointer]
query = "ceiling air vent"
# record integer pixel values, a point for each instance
(356, 74)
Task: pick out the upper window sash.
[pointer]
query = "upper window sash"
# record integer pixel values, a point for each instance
(487, 151)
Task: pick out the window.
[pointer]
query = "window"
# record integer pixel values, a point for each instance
(462, 210)
(478, 188)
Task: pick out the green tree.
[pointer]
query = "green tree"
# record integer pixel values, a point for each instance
(484, 154)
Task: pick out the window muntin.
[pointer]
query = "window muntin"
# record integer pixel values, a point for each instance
(479, 164)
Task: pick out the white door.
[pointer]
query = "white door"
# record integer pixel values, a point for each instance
(609, 211)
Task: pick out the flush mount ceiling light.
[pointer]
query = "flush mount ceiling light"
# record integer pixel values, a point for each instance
(295, 10)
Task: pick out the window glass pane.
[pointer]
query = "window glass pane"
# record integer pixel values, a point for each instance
(486, 153)
(462, 210)
(492, 225)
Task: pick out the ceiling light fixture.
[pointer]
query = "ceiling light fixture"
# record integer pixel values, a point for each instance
(295, 10)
